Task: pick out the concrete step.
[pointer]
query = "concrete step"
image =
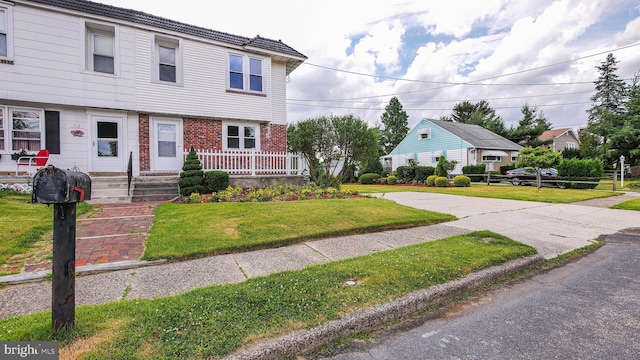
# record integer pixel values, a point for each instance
(109, 189)
(157, 189)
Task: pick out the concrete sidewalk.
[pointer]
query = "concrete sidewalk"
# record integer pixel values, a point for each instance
(552, 229)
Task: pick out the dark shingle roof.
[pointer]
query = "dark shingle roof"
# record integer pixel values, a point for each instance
(477, 136)
(143, 18)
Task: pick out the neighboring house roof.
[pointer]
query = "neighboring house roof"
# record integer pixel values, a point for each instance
(552, 134)
(143, 18)
(477, 136)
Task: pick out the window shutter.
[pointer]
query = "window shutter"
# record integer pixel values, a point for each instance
(52, 131)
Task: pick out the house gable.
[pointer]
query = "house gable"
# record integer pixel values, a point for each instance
(439, 139)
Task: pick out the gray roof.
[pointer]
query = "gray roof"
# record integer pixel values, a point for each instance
(477, 136)
(143, 18)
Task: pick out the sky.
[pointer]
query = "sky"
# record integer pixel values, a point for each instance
(432, 55)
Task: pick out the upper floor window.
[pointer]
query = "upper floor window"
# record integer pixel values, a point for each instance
(3, 33)
(167, 60)
(239, 66)
(100, 45)
(21, 129)
(239, 137)
(424, 134)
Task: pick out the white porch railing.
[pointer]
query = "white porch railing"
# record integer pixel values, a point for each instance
(251, 163)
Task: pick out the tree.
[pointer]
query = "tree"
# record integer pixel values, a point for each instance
(538, 158)
(626, 140)
(530, 127)
(329, 142)
(605, 116)
(396, 126)
(443, 167)
(480, 113)
(192, 177)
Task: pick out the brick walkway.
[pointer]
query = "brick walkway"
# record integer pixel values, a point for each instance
(109, 233)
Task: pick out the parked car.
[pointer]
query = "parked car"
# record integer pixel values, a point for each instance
(527, 176)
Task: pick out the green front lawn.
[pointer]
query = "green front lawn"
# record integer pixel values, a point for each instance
(217, 320)
(23, 223)
(526, 193)
(194, 230)
(628, 205)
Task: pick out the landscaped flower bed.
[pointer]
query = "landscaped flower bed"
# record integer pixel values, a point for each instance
(274, 193)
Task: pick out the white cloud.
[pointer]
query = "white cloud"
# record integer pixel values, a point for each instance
(465, 40)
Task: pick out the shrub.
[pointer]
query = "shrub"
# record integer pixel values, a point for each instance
(373, 166)
(504, 169)
(216, 180)
(442, 181)
(400, 174)
(192, 177)
(632, 185)
(461, 181)
(382, 180)
(423, 172)
(474, 169)
(581, 170)
(392, 180)
(368, 179)
(431, 180)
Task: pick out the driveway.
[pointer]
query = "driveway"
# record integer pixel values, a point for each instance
(551, 228)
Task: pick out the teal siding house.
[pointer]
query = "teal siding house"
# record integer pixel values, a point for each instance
(467, 144)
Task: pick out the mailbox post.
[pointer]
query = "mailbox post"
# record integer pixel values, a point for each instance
(63, 189)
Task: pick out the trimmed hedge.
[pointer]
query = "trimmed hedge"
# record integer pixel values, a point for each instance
(475, 169)
(192, 177)
(392, 180)
(581, 170)
(442, 181)
(423, 172)
(431, 180)
(368, 179)
(461, 181)
(216, 180)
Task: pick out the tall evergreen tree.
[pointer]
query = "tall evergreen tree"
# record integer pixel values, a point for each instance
(626, 140)
(605, 115)
(396, 126)
(530, 127)
(480, 113)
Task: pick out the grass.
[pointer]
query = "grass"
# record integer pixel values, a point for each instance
(217, 320)
(184, 231)
(525, 193)
(628, 205)
(24, 223)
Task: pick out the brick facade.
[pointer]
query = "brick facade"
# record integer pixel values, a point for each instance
(144, 141)
(273, 138)
(203, 134)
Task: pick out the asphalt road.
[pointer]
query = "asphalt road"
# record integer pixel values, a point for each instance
(588, 309)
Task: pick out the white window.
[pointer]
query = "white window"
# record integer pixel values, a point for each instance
(21, 129)
(424, 134)
(571, 145)
(168, 60)
(245, 73)
(491, 158)
(100, 47)
(5, 33)
(241, 137)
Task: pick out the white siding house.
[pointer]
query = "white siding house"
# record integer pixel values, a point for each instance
(94, 83)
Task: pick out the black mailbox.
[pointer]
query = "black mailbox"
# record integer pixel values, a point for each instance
(52, 185)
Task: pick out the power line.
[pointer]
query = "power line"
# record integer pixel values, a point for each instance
(448, 109)
(473, 82)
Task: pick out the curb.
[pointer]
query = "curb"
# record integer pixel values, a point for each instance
(92, 269)
(367, 319)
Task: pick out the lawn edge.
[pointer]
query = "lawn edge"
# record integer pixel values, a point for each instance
(371, 318)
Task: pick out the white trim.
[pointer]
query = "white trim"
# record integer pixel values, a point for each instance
(246, 72)
(7, 127)
(241, 125)
(8, 17)
(91, 28)
(158, 40)
(122, 118)
(497, 153)
(153, 144)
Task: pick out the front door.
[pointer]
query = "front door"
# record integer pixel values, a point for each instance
(107, 144)
(166, 148)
